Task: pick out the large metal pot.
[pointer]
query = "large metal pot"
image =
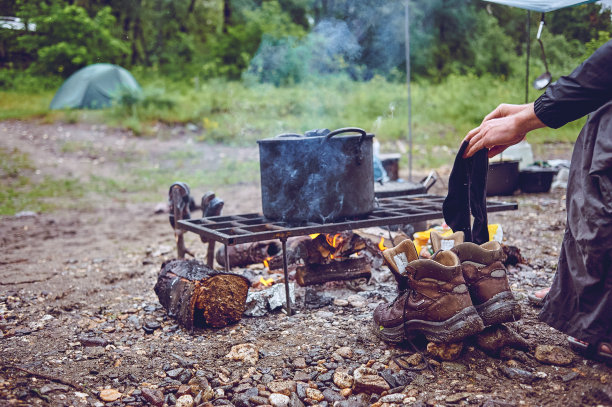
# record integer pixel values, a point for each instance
(317, 178)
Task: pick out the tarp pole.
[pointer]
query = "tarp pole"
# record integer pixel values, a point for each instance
(528, 55)
(407, 49)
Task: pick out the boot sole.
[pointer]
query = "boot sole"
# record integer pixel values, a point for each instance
(502, 307)
(465, 323)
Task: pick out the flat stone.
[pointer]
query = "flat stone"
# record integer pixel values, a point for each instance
(93, 341)
(518, 374)
(314, 394)
(279, 400)
(332, 396)
(343, 380)
(285, 387)
(368, 381)
(393, 398)
(445, 351)
(300, 363)
(553, 355)
(345, 351)
(108, 395)
(301, 376)
(294, 401)
(49, 388)
(153, 396)
(341, 303)
(174, 373)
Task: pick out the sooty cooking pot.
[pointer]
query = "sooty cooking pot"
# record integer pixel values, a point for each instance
(321, 177)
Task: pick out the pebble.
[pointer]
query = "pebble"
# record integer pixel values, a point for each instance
(356, 301)
(279, 400)
(332, 396)
(300, 363)
(445, 351)
(294, 401)
(174, 373)
(343, 380)
(246, 352)
(518, 374)
(285, 387)
(453, 398)
(553, 355)
(393, 398)
(314, 394)
(184, 401)
(93, 341)
(153, 396)
(341, 303)
(346, 352)
(109, 395)
(368, 381)
(454, 367)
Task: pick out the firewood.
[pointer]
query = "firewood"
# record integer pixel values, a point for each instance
(349, 269)
(244, 254)
(199, 296)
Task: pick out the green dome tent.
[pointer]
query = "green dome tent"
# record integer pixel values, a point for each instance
(94, 87)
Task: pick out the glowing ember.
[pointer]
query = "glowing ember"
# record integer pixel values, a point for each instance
(314, 235)
(267, 282)
(381, 245)
(333, 241)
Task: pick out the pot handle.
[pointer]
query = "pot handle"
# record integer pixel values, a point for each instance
(347, 130)
(289, 135)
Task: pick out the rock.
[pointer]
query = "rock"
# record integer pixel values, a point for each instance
(294, 401)
(518, 374)
(325, 377)
(332, 396)
(360, 400)
(346, 392)
(184, 401)
(174, 373)
(494, 338)
(393, 398)
(258, 400)
(301, 376)
(285, 387)
(300, 363)
(49, 388)
(397, 379)
(343, 380)
(153, 396)
(341, 303)
(553, 355)
(279, 400)
(356, 301)
(413, 360)
(245, 351)
(454, 367)
(108, 395)
(569, 377)
(314, 394)
(93, 341)
(445, 351)
(367, 380)
(346, 352)
(453, 398)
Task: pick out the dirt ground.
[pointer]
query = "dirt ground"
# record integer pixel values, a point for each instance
(81, 325)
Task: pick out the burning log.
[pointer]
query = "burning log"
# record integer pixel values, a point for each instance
(349, 269)
(197, 295)
(249, 253)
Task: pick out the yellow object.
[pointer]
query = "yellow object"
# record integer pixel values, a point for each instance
(421, 239)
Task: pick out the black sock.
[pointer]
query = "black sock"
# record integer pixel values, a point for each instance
(467, 188)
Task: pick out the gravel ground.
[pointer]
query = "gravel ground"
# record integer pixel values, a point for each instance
(81, 325)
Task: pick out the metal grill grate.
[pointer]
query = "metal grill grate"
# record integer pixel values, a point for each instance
(253, 227)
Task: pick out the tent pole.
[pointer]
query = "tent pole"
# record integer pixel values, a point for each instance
(528, 54)
(407, 50)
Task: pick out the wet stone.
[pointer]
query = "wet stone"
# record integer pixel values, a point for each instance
(553, 355)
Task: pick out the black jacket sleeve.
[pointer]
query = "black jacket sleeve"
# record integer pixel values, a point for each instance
(585, 90)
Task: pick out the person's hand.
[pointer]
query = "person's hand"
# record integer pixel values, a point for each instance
(505, 126)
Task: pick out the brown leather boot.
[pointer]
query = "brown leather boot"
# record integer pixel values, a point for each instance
(434, 302)
(486, 278)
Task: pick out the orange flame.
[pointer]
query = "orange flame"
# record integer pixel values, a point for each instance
(267, 282)
(381, 245)
(266, 263)
(333, 241)
(314, 235)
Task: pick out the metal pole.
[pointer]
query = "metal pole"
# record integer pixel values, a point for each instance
(407, 50)
(227, 265)
(528, 55)
(286, 271)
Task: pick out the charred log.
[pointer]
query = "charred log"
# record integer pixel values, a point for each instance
(249, 253)
(199, 296)
(348, 269)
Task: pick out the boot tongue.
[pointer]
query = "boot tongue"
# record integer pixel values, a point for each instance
(406, 255)
(440, 242)
(441, 267)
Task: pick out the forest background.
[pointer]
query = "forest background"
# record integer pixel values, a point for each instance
(241, 70)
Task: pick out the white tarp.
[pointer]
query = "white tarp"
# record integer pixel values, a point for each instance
(540, 5)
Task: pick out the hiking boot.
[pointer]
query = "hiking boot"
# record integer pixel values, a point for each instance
(486, 278)
(433, 299)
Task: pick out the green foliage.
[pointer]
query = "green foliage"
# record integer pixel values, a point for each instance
(67, 39)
